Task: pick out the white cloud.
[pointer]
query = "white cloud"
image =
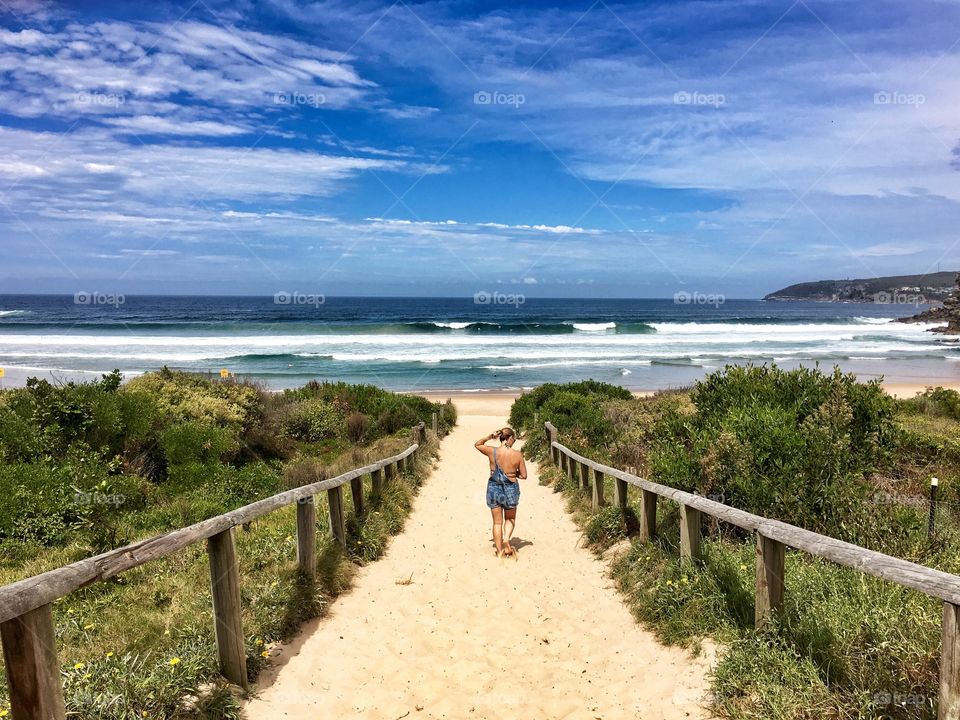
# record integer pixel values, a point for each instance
(889, 250)
(554, 229)
(169, 126)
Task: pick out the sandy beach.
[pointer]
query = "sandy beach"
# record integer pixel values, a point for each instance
(441, 628)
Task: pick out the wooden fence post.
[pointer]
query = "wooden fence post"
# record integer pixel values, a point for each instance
(597, 490)
(621, 490)
(689, 533)
(402, 465)
(568, 466)
(770, 567)
(648, 515)
(434, 424)
(389, 472)
(307, 536)
(356, 492)
(33, 670)
(225, 587)
(337, 525)
(584, 477)
(948, 705)
(377, 478)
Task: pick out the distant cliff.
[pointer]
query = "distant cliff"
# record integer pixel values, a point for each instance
(948, 312)
(932, 288)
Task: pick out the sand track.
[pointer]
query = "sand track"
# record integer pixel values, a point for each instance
(476, 637)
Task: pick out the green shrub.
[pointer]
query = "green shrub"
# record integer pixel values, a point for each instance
(196, 441)
(319, 411)
(20, 436)
(936, 402)
(183, 396)
(530, 405)
(794, 445)
(44, 500)
(313, 420)
(446, 417)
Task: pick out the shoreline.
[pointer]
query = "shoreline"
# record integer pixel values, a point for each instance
(900, 388)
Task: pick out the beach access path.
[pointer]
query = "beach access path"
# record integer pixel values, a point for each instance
(441, 628)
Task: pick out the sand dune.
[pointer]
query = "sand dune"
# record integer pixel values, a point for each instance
(472, 636)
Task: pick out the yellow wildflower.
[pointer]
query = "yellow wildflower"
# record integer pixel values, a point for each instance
(174, 661)
(78, 666)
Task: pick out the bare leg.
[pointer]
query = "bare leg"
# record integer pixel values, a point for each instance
(510, 522)
(497, 528)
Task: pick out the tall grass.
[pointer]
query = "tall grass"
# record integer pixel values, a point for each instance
(846, 645)
(94, 466)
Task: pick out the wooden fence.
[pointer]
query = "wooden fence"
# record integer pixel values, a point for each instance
(773, 537)
(26, 617)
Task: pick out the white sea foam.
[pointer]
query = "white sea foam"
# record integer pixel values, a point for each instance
(592, 327)
(694, 343)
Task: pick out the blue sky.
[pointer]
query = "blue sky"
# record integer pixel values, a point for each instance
(584, 149)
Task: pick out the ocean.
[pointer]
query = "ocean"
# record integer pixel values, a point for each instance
(494, 342)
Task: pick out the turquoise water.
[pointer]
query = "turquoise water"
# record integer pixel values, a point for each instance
(492, 342)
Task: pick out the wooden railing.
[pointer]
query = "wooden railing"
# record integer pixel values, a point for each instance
(26, 617)
(773, 537)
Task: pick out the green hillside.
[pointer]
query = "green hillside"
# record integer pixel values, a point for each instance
(905, 289)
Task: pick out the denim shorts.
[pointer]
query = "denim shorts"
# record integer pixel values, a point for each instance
(503, 495)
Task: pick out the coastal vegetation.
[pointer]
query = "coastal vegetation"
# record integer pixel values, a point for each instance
(815, 449)
(897, 290)
(91, 466)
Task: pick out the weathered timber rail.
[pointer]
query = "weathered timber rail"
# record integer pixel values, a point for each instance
(26, 617)
(773, 537)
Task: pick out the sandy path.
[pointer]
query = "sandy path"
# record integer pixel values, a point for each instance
(477, 637)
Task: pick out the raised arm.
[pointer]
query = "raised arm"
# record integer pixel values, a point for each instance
(481, 444)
